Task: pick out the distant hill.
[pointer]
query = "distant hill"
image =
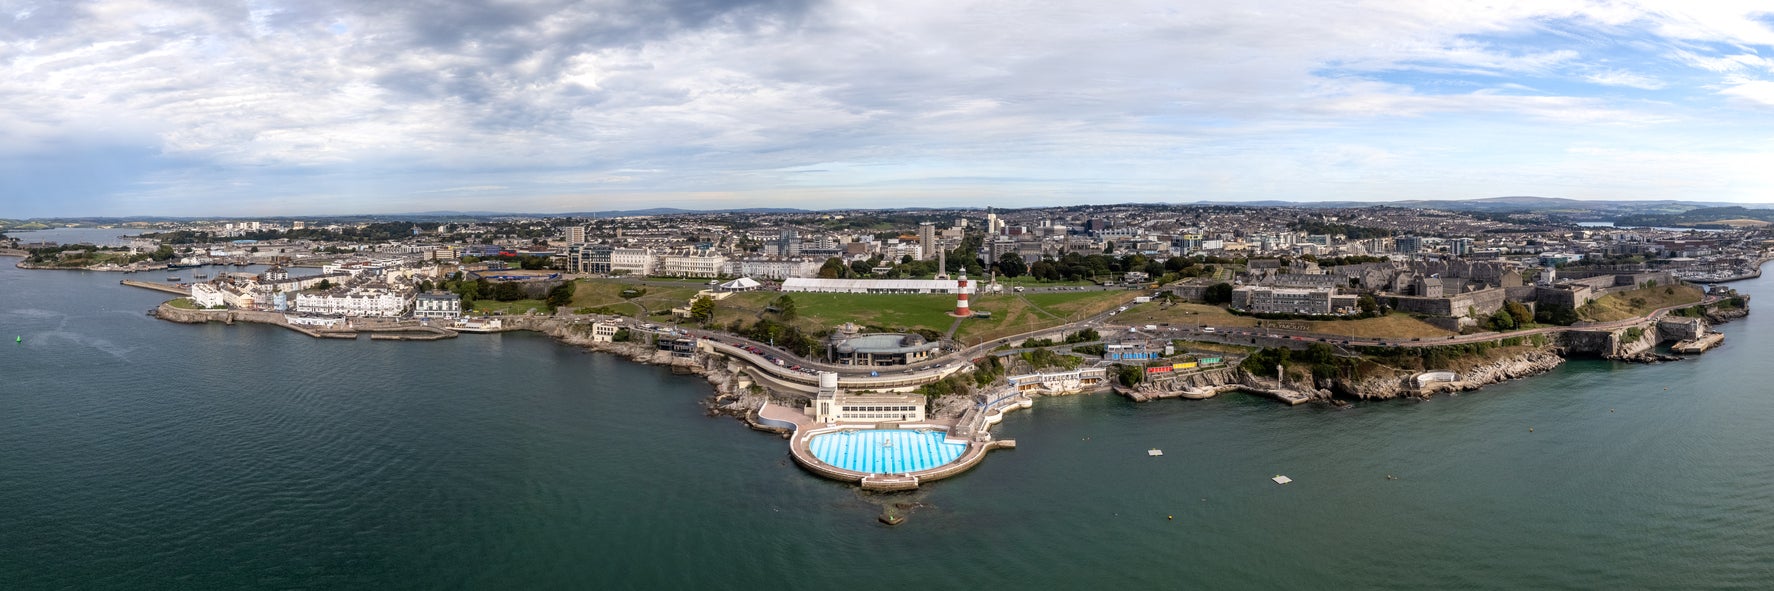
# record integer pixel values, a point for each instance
(674, 211)
(1573, 209)
(1717, 217)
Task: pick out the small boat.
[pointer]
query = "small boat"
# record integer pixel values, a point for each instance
(200, 276)
(173, 279)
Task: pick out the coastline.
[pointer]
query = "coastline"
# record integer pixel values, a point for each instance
(733, 398)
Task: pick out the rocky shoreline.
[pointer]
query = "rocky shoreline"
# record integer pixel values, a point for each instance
(733, 395)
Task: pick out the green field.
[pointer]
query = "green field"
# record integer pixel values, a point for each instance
(1012, 313)
(1080, 304)
(887, 310)
(595, 293)
(1639, 302)
(510, 308)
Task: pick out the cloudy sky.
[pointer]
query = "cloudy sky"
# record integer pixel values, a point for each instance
(214, 107)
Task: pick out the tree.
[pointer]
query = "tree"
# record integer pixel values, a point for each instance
(1502, 320)
(1131, 375)
(832, 269)
(1519, 312)
(702, 309)
(861, 268)
(324, 284)
(1218, 293)
(1320, 353)
(507, 291)
(561, 295)
(1011, 264)
(785, 307)
(1556, 314)
(1368, 304)
(621, 335)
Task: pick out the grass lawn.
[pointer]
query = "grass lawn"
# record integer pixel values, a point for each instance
(746, 306)
(1079, 304)
(593, 293)
(1638, 302)
(183, 303)
(1183, 314)
(1010, 315)
(1392, 325)
(510, 308)
(825, 310)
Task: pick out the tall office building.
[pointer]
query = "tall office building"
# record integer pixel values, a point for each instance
(576, 235)
(927, 239)
(789, 243)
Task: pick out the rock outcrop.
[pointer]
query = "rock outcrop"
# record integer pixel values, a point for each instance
(1402, 384)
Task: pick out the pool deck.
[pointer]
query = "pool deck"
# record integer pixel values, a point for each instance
(805, 429)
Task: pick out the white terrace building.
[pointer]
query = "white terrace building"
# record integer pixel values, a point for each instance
(367, 301)
(692, 266)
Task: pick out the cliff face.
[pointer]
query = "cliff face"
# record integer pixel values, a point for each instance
(1385, 387)
(1520, 366)
(1723, 315)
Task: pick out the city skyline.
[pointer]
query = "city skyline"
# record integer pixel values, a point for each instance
(145, 108)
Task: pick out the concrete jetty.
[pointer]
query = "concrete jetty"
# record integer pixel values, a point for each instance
(1699, 345)
(173, 289)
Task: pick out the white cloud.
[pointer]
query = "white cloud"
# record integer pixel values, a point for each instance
(1755, 92)
(568, 98)
(1625, 78)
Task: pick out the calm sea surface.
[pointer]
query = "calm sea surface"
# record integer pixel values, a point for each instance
(141, 454)
(97, 236)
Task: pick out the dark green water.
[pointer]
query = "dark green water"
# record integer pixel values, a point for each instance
(136, 453)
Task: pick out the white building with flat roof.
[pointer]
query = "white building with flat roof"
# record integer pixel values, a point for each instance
(772, 268)
(443, 305)
(634, 261)
(831, 405)
(206, 295)
(692, 266)
(604, 332)
(362, 302)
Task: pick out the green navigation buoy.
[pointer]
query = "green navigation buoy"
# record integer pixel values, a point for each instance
(19, 339)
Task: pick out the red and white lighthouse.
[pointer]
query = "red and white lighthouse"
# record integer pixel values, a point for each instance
(961, 309)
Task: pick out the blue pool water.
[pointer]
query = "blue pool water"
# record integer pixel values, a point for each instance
(885, 451)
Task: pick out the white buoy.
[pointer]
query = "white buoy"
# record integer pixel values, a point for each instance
(1279, 479)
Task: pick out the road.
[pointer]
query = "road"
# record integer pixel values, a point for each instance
(1102, 322)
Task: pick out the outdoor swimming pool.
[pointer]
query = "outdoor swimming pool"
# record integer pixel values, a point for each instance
(885, 451)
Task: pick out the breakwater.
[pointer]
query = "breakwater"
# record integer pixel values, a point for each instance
(161, 287)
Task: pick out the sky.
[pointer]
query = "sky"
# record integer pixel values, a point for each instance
(319, 107)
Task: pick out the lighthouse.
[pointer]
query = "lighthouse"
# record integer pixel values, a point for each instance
(961, 309)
